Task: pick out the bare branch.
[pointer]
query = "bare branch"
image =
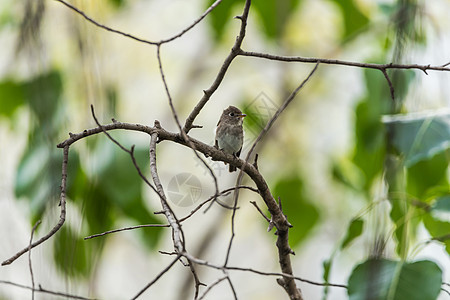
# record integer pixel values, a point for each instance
(156, 278)
(106, 133)
(260, 211)
(62, 216)
(235, 50)
(231, 268)
(30, 265)
(233, 290)
(391, 86)
(40, 289)
(211, 286)
(125, 229)
(133, 37)
(222, 193)
(177, 233)
(314, 60)
(130, 152)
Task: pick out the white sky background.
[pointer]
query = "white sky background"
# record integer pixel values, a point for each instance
(190, 64)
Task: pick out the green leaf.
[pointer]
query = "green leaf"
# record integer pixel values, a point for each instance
(38, 177)
(302, 214)
(442, 204)
(354, 20)
(370, 133)
(354, 230)
(71, 254)
(427, 176)
(117, 3)
(347, 173)
(380, 279)
(419, 137)
(274, 15)
(438, 229)
(43, 95)
(12, 96)
(326, 275)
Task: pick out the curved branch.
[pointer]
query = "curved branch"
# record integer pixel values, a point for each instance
(62, 216)
(133, 37)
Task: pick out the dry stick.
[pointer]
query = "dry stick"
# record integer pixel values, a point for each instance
(30, 265)
(107, 28)
(177, 232)
(156, 278)
(125, 229)
(381, 67)
(230, 268)
(315, 60)
(260, 211)
(233, 290)
(391, 86)
(40, 289)
(224, 192)
(211, 286)
(62, 216)
(29, 257)
(235, 50)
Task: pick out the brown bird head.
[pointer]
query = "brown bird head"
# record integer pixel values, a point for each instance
(232, 116)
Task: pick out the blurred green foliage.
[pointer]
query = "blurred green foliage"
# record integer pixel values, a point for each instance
(354, 20)
(110, 193)
(380, 279)
(273, 15)
(301, 212)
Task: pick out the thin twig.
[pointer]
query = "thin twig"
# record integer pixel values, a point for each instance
(133, 37)
(222, 193)
(233, 290)
(391, 86)
(40, 289)
(30, 265)
(315, 60)
(260, 211)
(231, 268)
(211, 286)
(197, 281)
(156, 278)
(130, 152)
(125, 229)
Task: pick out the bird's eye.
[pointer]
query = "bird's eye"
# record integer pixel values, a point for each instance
(231, 114)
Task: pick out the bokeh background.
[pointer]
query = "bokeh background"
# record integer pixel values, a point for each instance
(326, 156)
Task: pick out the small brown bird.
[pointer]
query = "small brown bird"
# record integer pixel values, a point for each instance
(229, 132)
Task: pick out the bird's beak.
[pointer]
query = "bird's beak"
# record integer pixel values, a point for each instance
(242, 115)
